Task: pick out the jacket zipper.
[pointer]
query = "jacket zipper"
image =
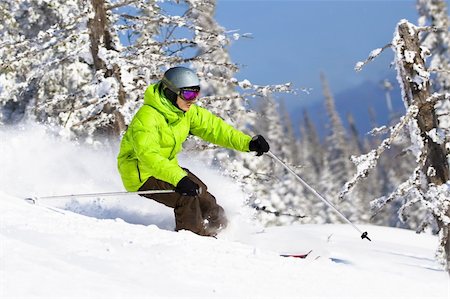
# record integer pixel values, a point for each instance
(175, 143)
(139, 172)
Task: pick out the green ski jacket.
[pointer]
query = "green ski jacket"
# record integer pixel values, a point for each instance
(155, 135)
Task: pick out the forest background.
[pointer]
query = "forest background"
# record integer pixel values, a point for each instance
(81, 67)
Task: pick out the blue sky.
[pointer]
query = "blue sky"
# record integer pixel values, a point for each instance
(293, 41)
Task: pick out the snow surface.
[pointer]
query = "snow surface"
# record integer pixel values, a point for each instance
(124, 247)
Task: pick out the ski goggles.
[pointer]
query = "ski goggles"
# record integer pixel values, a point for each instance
(189, 95)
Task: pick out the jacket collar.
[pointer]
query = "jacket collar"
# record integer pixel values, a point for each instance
(155, 99)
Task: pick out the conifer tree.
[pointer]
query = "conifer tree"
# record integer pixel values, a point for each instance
(268, 194)
(312, 151)
(337, 159)
(290, 139)
(312, 160)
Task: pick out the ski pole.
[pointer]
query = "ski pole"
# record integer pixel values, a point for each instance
(35, 198)
(363, 234)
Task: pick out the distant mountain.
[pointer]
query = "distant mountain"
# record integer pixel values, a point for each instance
(356, 101)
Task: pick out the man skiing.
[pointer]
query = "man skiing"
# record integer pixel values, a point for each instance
(148, 153)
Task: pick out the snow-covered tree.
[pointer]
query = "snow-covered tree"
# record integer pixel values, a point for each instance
(311, 158)
(270, 192)
(435, 13)
(337, 163)
(74, 77)
(84, 65)
(428, 186)
(290, 139)
(34, 38)
(311, 149)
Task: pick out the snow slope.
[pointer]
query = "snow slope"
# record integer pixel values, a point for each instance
(124, 247)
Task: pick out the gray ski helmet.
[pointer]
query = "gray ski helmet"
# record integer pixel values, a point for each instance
(179, 77)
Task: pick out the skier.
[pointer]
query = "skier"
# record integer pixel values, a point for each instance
(148, 152)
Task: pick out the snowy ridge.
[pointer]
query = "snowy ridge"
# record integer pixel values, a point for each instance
(125, 247)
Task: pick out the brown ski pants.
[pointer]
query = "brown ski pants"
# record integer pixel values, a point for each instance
(200, 214)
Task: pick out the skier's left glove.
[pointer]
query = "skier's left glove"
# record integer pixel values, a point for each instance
(258, 144)
(187, 187)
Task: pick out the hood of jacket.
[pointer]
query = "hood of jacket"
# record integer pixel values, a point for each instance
(156, 99)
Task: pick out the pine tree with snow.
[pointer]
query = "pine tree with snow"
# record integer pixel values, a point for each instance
(290, 140)
(311, 149)
(337, 162)
(269, 194)
(311, 159)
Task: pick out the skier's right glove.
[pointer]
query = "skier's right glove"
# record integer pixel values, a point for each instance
(187, 187)
(259, 144)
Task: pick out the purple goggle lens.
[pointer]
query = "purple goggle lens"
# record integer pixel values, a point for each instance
(189, 95)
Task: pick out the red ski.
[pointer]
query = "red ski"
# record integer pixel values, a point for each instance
(301, 256)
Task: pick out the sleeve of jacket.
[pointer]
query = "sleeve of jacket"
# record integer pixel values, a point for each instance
(147, 148)
(213, 129)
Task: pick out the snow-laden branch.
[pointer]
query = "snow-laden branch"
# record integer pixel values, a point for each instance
(378, 130)
(265, 90)
(368, 161)
(439, 70)
(55, 36)
(121, 4)
(412, 183)
(372, 55)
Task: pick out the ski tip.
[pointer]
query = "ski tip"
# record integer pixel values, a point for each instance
(301, 256)
(364, 236)
(31, 200)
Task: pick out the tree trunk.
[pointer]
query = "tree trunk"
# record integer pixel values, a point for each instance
(416, 84)
(417, 89)
(100, 36)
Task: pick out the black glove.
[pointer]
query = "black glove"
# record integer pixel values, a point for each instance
(259, 144)
(187, 187)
